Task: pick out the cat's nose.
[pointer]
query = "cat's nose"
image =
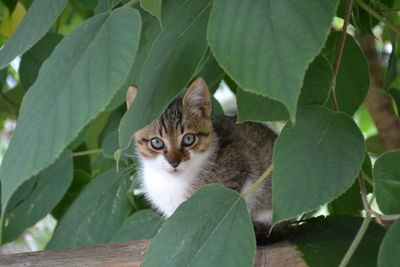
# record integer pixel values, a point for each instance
(174, 163)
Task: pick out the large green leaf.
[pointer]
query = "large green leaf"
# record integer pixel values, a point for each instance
(352, 81)
(150, 30)
(212, 228)
(315, 90)
(314, 161)
(96, 213)
(323, 242)
(254, 107)
(387, 182)
(266, 45)
(110, 144)
(389, 253)
(210, 71)
(143, 224)
(74, 84)
(33, 59)
(153, 7)
(79, 181)
(51, 185)
(37, 21)
(171, 63)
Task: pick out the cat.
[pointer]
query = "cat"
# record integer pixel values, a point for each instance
(185, 149)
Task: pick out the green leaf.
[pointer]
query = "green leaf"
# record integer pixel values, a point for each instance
(352, 81)
(323, 242)
(210, 71)
(216, 108)
(254, 107)
(387, 182)
(110, 144)
(101, 164)
(33, 59)
(105, 5)
(313, 162)
(15, 95)
(349, 203)
(22, 193)
(150, 30)
(365, 121)
(170, 65)
(51, 185)
(212, 228)
(96, 213)
(374, 145)
(36, 22)
(143, 224)
(80, 180)
(111, 124)
(395, 93)
(153, 7)
(87, 68)
(88, 4)
(317, 82)
(10, 4)
(265, 58)
(389, 253)
(315, 90)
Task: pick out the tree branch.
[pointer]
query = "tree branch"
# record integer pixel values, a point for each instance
(339, 54)
(378, 103)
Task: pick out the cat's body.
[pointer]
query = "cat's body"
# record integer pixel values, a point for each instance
(185, 149)
(239, 155)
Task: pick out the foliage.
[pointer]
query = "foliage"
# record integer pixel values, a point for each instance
(280, 58)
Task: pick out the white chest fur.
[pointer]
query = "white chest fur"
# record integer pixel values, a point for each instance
(165, 189)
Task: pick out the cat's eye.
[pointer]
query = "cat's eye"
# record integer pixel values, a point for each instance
(157, 143)
(188, 139)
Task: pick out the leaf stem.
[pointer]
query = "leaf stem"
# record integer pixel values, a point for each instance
(259, 181)
(339, 54)
(367, 178)
(88, 152)
(356, 241)
(378, 216)
(131, 3)
(367, 208)
(375, 14)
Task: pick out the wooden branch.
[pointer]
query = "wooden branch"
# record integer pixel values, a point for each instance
(378, 103)
(132, 254)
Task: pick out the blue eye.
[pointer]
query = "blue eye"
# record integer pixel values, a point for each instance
(188, 139)
(157, 143)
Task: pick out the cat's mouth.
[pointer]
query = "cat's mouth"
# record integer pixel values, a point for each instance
(175, 171)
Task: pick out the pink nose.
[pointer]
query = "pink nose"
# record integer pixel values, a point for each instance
(174, 163)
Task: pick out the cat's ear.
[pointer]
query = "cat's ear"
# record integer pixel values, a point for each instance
(130, 95)
(198, 97)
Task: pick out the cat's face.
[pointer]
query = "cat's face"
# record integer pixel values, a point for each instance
(182, 136)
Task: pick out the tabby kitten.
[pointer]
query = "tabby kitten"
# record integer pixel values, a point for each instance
(185, 149)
